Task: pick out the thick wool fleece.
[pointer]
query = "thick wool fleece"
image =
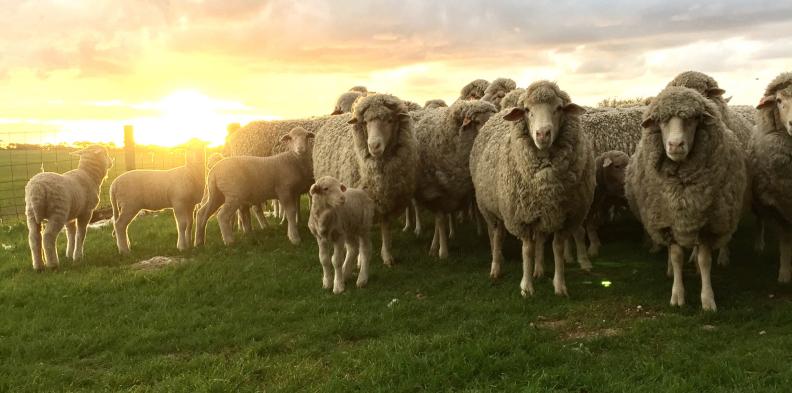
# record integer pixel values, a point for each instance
(340, 150)
(529, 189)
(699, 199)
(613, 128)
(433, 104)
(263, 138)
(608, 191)
(345, 101)
(444, 182)
(512, 98)
(771, 159)
(474, 89)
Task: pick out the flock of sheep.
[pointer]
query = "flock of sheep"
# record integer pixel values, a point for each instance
(529, 162)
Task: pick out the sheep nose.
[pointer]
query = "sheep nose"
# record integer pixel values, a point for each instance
(676, 145)
(543, 133)
(375, 146)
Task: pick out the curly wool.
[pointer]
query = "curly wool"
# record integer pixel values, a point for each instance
(444, 182)
(607, 193)
(474, 89)
(512, 98)
(433, 104)
(340, 150)
(263, 138)
(613, 128)
(699, 199)
(412, 106)
(770, 162)
(345, 102)
(529, 189)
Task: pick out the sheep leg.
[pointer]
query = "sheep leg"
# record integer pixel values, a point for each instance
(245, 222)
(451, 231)
(724, 255)
(183, 219)
(435, 246)
(676, 256)
(34, 241)
(299, 209)
(526, 284)
(338, 280)
(594, 241)
(204, 212)
(496, 244)
(79, 240)
(759, 240)
(559, 279)
(387, 257)
(418, 228)
(49, 238)
(539, 257)
(225, 218)
(258, 213)
(284, 212)
(785, 256)
(324, 260)
(120, 225)
(582, 255)
(569, 254)
(705, 265)
(442, 234)
(407, 218)
(291, 215)
(364, 256)
(71, 232)
(350, 262)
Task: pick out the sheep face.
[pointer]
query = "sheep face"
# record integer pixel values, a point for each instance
(781, 103)
(544, 120)
(380, 132)
(328, 192)
(678, 136)
(95, 153)
(299, 140)
(613, 167)
(494, 97)
(471, 125)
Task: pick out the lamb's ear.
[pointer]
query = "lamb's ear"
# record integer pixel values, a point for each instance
(607, 162)
(648, 123)
(574, 109)
(353, 120)
(286, 138)
(465, 121)
(714, 92)
(343, 187)
(515, 114)
(728, 99)
(336, 112)
(765, 102)
(312, 190)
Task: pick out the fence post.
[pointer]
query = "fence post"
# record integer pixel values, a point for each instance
(129, 147)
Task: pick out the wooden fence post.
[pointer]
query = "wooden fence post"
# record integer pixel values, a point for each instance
(129, 147)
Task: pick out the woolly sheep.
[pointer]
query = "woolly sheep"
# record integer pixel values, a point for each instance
(373, 148)
(341, 217)
(179, 189)
(67, 199)
(771, 167)
(360, 89)
(512, 98)
(263, 138)
(445, 137)
(241, 181)
(474, 90)
(534, 176)
(497, 90)
(608, 194)
(613, 128)
(412, 106)
(433, 104)
(686, 182)
(345, 102)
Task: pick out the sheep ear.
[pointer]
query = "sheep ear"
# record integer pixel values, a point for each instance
(312, 190)
(648, 123)
(715, 92)
(728, 99)
(352, 120)
(286, 138)
(336, 112)
(466, 121)
(607, 162)
(574, 109)
(515, 114)
(765, 102)
(343, 188)
(310, 135)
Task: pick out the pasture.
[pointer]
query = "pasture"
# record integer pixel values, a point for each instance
(254, 317)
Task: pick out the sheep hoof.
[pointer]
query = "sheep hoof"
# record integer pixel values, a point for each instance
(388, 262)
(38, 269)
(417, 232)
(677, 299)
(295, 241)
(784, 277)
(593, 251)
(361, 283)
(586, 266)
(538, 273)
(443, 254)
(723, 258)
(326, 284)
(338, 289)
(561, 290)
(526, 293)
(708, 305)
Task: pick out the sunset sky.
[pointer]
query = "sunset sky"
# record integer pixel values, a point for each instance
(76, 70)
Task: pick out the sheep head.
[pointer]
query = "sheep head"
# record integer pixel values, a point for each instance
(300, 140)
(611, 167)
(544, 107)
(95, 153)
(474, 90)
(470, 116)
(346, 101)
(497, 90)
(379, 117)
(778, 100)
(328, 192)
(677, 113)
(701, 82)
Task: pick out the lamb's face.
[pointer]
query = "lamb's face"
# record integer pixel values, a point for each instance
(380, 134)
(678, 136)
(300, 141)
(328, 192)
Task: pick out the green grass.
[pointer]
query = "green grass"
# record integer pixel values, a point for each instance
(254, 317)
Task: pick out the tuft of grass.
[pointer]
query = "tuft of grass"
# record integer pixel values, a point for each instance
(253, 317)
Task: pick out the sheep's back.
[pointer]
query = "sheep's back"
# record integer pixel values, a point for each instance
(613, 128)
(262, 138)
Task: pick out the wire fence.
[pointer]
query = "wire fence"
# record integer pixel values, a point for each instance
(23, 155)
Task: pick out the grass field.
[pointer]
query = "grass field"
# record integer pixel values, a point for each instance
(254, 317)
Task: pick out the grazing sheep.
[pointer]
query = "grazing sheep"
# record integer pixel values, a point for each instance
(512, 98)
(534, 176)
(345, 102)
(433, 104)
(474, 90)
(341, 217)
(608, 194)
(686, 182)
(180, 189)
(771, 165)
(497, 90)
(373, 148)
(242, 181)
(445, 137)
(67, 199)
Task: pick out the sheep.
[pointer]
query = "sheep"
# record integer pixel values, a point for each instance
(340, 217)
(746, 112)
(512, 98)
(248, 180)
(613, 128)
(686, 182)
(345, 102)
(608, 194)
(497, 90)
(771, 168)
(534, 176)
(412, 106)
(263, 138)
(445, 137)
(433, 104)
(373, 148)
(213, 159)
(67, 199)
(474, 90)
(360, 89)
(180, 189)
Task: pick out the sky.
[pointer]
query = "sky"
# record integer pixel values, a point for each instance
(79, 70)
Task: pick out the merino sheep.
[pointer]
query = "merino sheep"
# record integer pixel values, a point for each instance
(345, 102)
(433, 104)
(264, 138)
(341, 217)
(474, 90)
(241, 181)
(608, 194)
(373, 148)
(613, 128)
(512, 98)
(497, 90)
(445, 137)
(67, 199)
(534, 176)
(771, 166)
(686, 182)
